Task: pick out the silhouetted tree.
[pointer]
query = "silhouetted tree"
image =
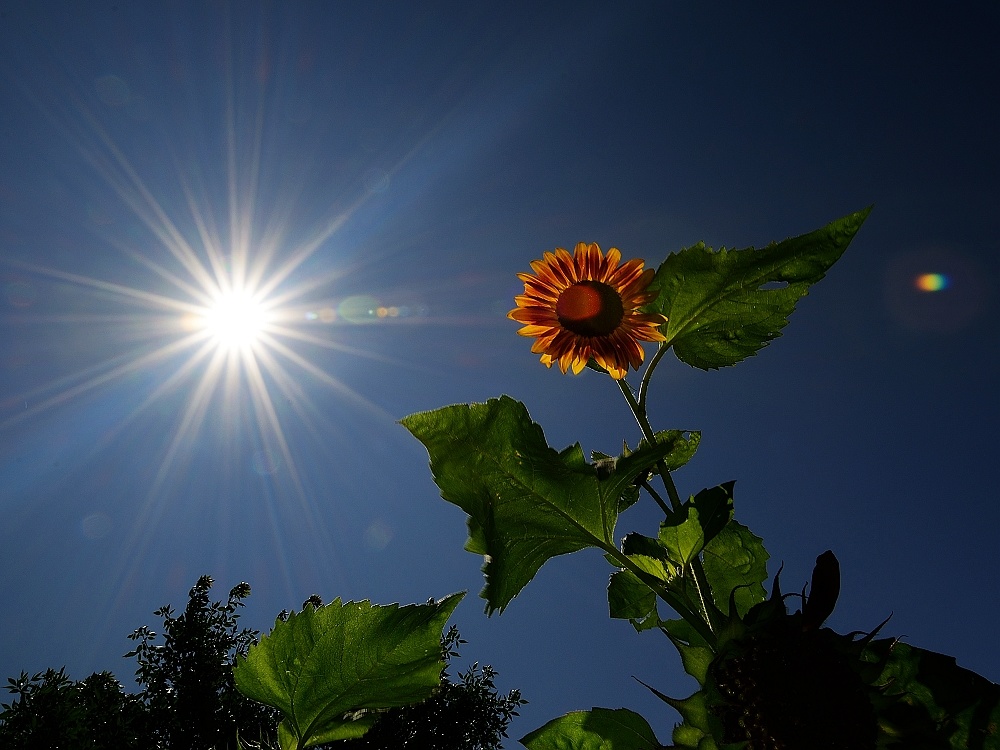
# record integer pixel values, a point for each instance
(188, 699)
(53, 711)
(187, 681)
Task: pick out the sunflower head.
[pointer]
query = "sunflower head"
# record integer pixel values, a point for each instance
(585, 306)
(784, 687)
(779, 681)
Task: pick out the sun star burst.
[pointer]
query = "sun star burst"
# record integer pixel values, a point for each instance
(236, 319)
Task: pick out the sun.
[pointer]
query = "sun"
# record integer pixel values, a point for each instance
(236, 319)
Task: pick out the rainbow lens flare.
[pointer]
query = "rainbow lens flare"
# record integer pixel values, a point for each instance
(931, 282)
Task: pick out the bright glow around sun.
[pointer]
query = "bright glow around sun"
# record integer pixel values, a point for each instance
(236, 320)
(226, 316)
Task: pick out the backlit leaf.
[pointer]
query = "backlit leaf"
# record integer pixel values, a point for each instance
(650, 556)
(935, 702)
(735, 560)
(724, 306)
(322, 664)
(597, 729)
(526, 502)
(629, 598)
(685, 533)
(683, 445)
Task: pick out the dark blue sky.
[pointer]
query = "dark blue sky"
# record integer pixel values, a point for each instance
(368, 156)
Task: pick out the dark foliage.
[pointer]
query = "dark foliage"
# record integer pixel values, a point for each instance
(188, 698)
(187, 681)
(52, 711)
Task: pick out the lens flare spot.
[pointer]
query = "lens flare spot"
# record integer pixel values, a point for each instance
(378, 534)
(931, 282)
(265, 463)
(359, 309)
(236, 320)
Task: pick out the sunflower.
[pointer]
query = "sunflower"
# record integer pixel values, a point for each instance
(585, 306)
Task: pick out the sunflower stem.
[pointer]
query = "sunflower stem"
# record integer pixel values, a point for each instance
(701, 583)
(659, 587)
(659, 500)
(637, 411)
(647, 432)
(644, 383)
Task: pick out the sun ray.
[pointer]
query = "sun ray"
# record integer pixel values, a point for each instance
(264, 406)
(104, 375)
(151, 300)
(192, 418)
(148, 209)
(328, 379)
(199, 247)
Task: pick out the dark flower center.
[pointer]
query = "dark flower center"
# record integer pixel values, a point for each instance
(790, 689)
(590, 308)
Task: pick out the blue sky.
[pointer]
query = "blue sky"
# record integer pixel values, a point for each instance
(366, 157)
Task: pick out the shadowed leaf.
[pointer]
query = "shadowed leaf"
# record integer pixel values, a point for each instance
(735, 560)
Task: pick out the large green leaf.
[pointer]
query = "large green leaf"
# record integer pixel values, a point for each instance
(735, 564)
(933, 702)
(597, 729)
(526, 502)
(724, 306)
(320, 665)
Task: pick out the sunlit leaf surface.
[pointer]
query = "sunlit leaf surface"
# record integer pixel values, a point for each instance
(526, 502)
(321, 664)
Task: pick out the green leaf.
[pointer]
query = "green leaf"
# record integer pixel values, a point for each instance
(696, 655)
(629, 598)
(937, 703)
(695, 730)
(715, 509)
(735, 560)
(683, 445)
(686, 531)
(321, 665)
(597, 729)
(696, 660)
(724, 306)
(650, 556)
(348, 729)
(526, 502)
(682, 535)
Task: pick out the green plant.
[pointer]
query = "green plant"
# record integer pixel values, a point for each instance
(767, 679)
(329, 670)
(188, 697)
(187, 681)
(50, 710)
